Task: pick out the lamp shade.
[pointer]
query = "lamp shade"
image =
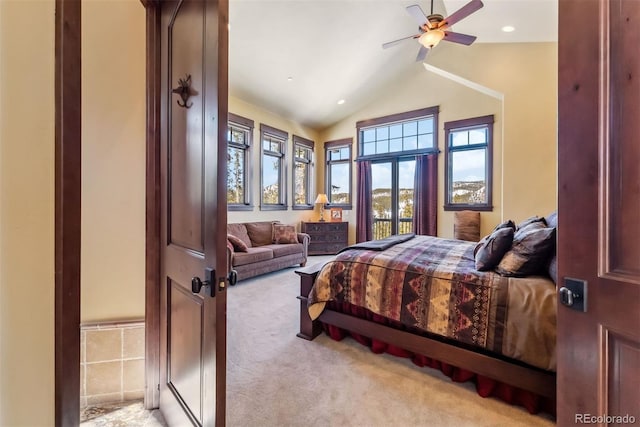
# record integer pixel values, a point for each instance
(431, 38)
(322, 198)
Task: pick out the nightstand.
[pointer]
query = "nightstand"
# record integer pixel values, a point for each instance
(327, 238)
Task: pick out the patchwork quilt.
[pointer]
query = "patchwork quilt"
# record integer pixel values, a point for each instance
(431, 284)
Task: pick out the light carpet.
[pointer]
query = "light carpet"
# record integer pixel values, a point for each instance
(277, 379)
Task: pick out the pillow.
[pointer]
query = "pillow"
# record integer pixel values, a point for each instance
(240, 231)
(532, 247)
(552, 219)
(506, 224)
(491, 248)
(284, 234)
(531, 220)
(552, 269)
(260, 233)
(238, 244)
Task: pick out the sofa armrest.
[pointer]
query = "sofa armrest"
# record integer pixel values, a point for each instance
(305, 239)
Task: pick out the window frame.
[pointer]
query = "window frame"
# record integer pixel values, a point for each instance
(247, 125)
(299, 141)
(469, 124)
(282, 137)
(407, 116)
(331, 145)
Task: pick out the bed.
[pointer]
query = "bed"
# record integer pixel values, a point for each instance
(422, 297)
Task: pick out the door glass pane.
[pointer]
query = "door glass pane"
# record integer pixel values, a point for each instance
(381, 199)
(406, 184)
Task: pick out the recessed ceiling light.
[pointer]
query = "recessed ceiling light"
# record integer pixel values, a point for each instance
(508, 29)
(289, 79)
(341, 102)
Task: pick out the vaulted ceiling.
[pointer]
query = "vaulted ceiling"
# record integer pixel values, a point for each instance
(298, 58)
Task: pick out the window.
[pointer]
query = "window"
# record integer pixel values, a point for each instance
(302, 173)
(239, 131)
(392, 144)
(468, 164)
(399, 134)
(273, 176)
(338, 172)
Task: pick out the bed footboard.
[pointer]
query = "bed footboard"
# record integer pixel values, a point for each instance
(309, 329)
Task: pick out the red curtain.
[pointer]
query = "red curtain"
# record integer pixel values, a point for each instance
(425, 199)
(364, 211)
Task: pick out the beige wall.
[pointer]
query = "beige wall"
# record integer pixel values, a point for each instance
(525, 122)
(527, 75)
(27, 213)
(260, 115)
(113, 160)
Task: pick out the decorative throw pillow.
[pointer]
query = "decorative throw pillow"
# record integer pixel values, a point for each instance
(240, 231)
(530, 252)
(492, 248)
(506, 224)
(260, 233)
(531, 220)
(238, 244)
(552, 219)
(284, 234)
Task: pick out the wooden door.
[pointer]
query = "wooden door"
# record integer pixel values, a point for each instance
(599, 210)
(193, 216)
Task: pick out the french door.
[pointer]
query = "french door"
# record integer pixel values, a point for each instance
(392, 185)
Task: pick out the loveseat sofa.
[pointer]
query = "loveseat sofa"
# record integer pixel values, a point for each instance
(266, 246)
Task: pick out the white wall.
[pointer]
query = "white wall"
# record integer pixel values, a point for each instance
(27, 122)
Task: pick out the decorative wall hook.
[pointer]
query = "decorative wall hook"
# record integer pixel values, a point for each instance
(184, 90)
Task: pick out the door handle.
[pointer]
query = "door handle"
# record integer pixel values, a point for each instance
(197, 283)
(233, 277)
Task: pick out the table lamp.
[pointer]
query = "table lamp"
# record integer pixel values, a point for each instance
(321, 200)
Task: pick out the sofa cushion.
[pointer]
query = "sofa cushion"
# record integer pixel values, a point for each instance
(284, 233)
(260, 233)
(285, 249)
(238, 244)
(240, 231)
(252, 255)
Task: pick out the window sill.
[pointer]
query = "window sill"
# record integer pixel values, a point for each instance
(479, 208)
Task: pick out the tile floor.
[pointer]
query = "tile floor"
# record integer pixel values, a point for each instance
(121, 414)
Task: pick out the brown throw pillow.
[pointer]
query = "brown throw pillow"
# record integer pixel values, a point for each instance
(284, 234)
(530, 252)
(492, 248)
(240, 231)
(238, 244)
(260, 233)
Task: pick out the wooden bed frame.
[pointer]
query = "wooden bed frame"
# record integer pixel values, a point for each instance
(512, 373)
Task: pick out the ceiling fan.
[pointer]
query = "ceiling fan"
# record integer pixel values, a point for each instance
(434, 27)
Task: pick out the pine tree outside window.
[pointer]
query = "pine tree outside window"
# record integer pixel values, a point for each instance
(239, 132)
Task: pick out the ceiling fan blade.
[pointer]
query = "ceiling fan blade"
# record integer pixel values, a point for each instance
(461, 13)
(465, 39)
(417, 13)
(422, 53)
(395, 42)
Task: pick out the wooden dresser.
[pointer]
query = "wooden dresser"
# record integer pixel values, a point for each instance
(326, 237)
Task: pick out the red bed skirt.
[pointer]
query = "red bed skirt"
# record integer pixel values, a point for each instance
(485, 387)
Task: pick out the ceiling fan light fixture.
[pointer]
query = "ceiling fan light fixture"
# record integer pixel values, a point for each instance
(431, 38)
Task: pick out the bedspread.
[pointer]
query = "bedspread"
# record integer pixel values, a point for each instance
(431, 284)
